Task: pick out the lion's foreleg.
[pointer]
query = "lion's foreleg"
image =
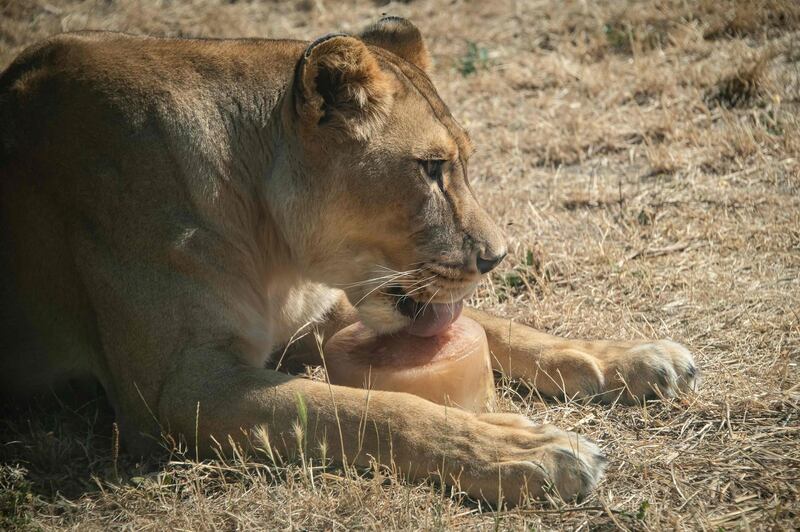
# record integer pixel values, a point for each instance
(217, 405)
(560, 367)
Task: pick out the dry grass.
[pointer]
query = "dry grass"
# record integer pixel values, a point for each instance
(644, 159)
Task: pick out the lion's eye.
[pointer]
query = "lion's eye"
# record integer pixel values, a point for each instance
(434, 168)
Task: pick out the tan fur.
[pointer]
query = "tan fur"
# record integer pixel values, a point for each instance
(175, 212)
(400, 37)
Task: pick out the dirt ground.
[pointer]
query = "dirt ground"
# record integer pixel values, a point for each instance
(643, 157)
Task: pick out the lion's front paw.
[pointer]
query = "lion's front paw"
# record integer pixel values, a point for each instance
(649, 370)
(528, 460)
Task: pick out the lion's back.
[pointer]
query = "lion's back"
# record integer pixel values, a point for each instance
(96, 130)
(72, 81)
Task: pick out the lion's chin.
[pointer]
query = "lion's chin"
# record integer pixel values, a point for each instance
(382, 317)
(415, 318)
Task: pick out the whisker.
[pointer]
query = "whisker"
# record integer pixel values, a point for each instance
(371, 291)
(368, 281)
(422, 280)
(380, 278)
(410, 265)
(422, 309)
(419, 289)
(400, 297)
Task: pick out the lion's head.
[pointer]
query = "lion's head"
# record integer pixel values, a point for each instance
(378, 172)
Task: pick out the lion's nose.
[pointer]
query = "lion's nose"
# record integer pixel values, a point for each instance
(487, 263)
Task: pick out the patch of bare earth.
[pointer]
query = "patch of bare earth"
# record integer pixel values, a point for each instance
(643, 157)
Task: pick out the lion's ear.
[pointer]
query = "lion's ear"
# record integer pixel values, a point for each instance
(339, 85)
(401, 37)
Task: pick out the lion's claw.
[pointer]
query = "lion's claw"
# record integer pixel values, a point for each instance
(649, 370)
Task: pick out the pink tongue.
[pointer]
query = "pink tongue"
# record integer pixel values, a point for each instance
(434, 318)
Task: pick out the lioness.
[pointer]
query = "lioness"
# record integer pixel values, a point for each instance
(175, 212)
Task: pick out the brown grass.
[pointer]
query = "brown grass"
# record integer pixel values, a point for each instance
(645, 193)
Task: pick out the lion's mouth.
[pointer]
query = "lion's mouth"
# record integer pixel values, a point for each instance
(427, 319)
